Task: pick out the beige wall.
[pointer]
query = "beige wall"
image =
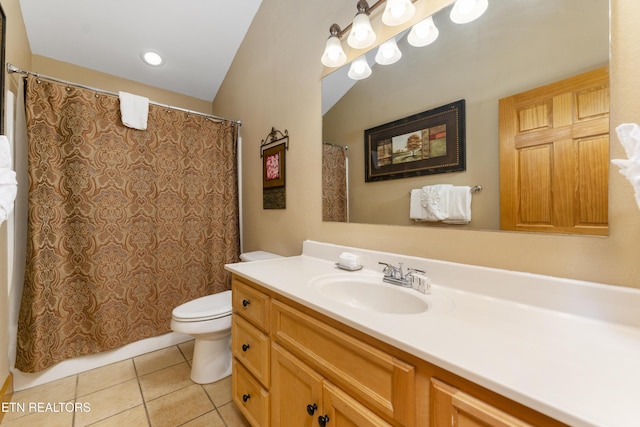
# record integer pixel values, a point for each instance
(275, 80)
(92, 78)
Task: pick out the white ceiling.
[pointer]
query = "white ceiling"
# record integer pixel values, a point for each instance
(197, 38)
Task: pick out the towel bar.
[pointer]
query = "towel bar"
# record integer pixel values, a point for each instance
(474, 189)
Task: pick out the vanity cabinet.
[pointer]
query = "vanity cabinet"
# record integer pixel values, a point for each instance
(299, 366)
(383, 383)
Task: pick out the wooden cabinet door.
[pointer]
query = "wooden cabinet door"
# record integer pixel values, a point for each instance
(341, 410)
(554, 157)
(296, 395)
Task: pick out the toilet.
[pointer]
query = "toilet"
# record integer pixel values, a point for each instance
(208, 320)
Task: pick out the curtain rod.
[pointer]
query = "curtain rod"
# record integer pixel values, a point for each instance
(346, 147)
(13, 69)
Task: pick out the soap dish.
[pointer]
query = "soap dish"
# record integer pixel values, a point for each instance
(346, 267)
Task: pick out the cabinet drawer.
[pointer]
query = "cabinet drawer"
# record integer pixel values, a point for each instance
(376, 379)
(451, 404)
(249, 396)
(251, 347)
(252, 304)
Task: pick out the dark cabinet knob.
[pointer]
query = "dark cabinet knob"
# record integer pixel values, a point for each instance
(246, 397)
(323, 420)
(245, 347)
(311, 409)
(245, 302)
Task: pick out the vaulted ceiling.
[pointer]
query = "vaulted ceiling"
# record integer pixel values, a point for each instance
(198, 39)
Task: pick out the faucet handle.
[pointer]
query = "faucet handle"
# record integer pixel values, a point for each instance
(386, 268)
(415, 270)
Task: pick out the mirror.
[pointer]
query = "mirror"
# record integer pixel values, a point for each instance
(517, 45)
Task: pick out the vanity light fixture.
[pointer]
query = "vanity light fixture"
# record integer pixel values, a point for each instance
(152, 58)
(333, 55)
(359, 69)
(388, 52)
(465, 11)
(397, 12)
(423, 33)
(362, 35)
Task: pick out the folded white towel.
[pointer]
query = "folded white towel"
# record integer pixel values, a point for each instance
(417, 212)
(629, 136)
(8, 183)
(432, 201)
(5, 153)
(458, 205)
(134, 110)
(447, 203)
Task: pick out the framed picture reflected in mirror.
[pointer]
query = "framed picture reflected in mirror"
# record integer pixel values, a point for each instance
(426, 143)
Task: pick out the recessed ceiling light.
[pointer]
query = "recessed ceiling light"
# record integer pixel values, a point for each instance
(152, 58)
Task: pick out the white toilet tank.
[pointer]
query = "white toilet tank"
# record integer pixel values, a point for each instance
(257, 256)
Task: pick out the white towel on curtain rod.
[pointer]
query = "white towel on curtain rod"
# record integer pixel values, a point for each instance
(134, 110)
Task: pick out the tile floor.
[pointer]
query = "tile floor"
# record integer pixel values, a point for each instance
(153, 389)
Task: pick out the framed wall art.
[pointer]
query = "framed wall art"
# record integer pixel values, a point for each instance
(273, 167)
(426, 143)
(273, 152)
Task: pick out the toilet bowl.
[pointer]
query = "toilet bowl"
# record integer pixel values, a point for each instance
(208, 320)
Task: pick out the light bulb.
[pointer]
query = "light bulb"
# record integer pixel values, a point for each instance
(362, 35)
(333, 55)
(423, 33)
(359, 69)
(465, 11)
(466, 6)
(388, 53)
(398, 12)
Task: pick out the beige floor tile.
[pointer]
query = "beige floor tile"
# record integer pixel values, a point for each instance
(179, 407)
(42, 419)
(210, 419)
(108, 402)
(62, 390)
(105, 376)
(157, 360)
(220, 391)
(232, 416)
(165, 381)
(187, 349)
(132, 417)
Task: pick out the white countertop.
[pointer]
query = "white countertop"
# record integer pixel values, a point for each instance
(568, 349)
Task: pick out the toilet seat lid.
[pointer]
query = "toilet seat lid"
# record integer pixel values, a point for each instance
(205, 308)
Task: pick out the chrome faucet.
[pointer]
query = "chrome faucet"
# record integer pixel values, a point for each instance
(396, 275)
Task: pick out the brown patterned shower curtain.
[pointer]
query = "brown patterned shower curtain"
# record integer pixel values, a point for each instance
(124, 225)
(334, 183)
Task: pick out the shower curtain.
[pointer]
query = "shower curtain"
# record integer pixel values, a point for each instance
(124, 225)
(334, 183)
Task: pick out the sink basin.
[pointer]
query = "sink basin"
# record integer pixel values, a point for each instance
(369, 292)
